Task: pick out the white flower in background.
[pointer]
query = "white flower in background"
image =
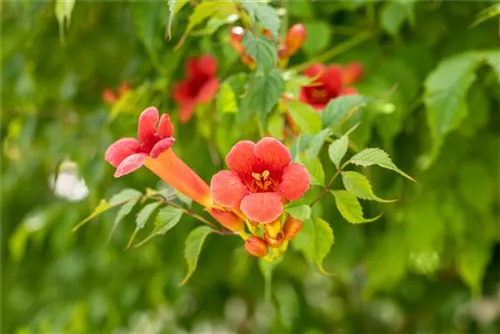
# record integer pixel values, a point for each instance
(67, 184)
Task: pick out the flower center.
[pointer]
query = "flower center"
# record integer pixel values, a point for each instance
(319, 93)
(262, 182)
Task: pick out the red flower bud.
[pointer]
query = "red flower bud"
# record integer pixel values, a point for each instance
(109, 96)
(282, 52)
(295, 38)
(352, 73)
(291, 228)
(274, 242)
(256, 246)
(235, 38)
(124, 88)
(227, 219)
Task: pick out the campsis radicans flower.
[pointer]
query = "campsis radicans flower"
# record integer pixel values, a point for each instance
(329, 82)
(199, 86)
(153, 150)
(109, 96)
(256, 246)
(261, 178)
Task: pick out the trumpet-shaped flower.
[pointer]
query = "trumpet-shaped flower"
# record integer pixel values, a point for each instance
(155, 137)
(200, 85)
(260, 179)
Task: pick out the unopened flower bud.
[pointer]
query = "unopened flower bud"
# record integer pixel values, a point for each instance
(256, 246)
(291, 228)
(352, 73)
(267, 33)
(273, 229)
(109, 96)
(295, 38)
(124, 88)
(282, 52)
(235, 38)
(227, 219)
(273, 242)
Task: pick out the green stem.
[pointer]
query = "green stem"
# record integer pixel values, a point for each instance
(327, 188)
(339, 49)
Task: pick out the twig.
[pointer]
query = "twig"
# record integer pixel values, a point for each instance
(327, 188)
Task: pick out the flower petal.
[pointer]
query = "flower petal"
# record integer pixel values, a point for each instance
(262, 207)
(227, 189)
(147, 126)
(332, 78)
(186, 112)
(207, 65)
(180, 92)
(272, 153)
(165, 127)
(120, 149)
(241, 157)
(131, 163)
(315, 70)
(162, 146)
(208, 90)
(348, 91)
(295, 181)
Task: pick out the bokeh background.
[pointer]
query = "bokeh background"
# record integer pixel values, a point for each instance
(431, 264)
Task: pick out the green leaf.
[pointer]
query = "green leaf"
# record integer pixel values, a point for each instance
(275, 125)
(265, 91)
(226, 99)
(124, 210)
(319, 35)
(476, 186)
(184, 199)
(207, 9)
(376, 156)
(322, 240)
(174, 7)
(100, 208)
(167, 218)
(314, 167)
(358, 185)
(124, 196)
(261, 49)
(473, 260)
(445, 95)
(145, 213)
(315, 142)
(192, 248)
(340, 109)
(265, 14)
(147, 20)
(394, 14)
(493, 59)
(350, 208)
(486, 14)
(63, 10)
(308, 119)
(338, 149)
(301, 212)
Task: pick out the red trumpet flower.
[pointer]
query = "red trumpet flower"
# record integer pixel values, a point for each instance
(260, 179)
(200, 85)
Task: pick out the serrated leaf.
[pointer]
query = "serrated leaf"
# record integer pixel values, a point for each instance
(350, 208)
(340, 109)
(301, 212)
(338, 149)
(376, 156)
(394, 14)
(167, 218)
(192, 249)
(265, 14)
(316, 141)
(308, 119)
(226, 99)
(145, 213)
(63, 10)
(445, 94)
(124, 210)
(124, 196)
(265, 91)
(100, 208)
(322, 240)
(261, 49)
(314, 167)
(358, 185)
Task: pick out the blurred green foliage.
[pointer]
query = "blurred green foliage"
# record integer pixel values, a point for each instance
(430, 264)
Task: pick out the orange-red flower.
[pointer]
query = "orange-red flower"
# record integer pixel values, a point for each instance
(109, 96)
(200, 85)
(330, 82)
(260, 179)
(256, 246)
(155, 137)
